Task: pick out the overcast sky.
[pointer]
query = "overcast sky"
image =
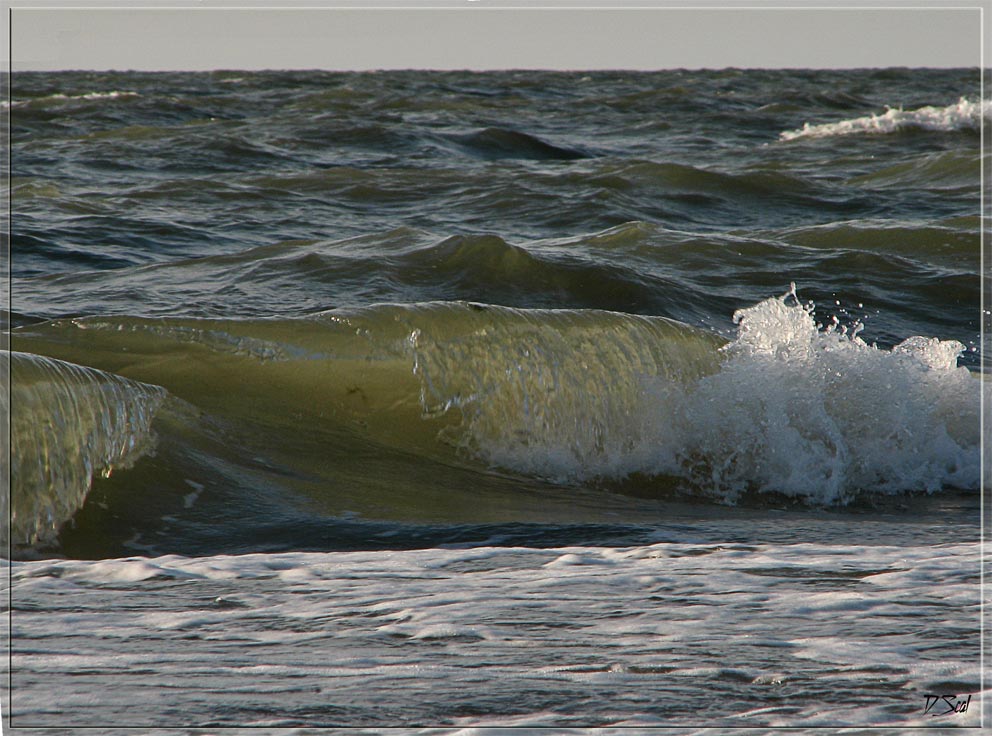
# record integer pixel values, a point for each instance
(478, 35)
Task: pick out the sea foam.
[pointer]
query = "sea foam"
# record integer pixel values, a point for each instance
(815, 412)
(962, 115)
(415, 627)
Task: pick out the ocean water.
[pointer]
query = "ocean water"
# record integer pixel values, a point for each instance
(480, 400)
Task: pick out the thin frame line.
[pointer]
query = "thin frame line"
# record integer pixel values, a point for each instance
(475, 7)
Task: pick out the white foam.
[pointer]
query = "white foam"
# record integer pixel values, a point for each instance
(963, 115)
(820, 414)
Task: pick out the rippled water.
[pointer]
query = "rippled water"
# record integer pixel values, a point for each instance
(683, 365)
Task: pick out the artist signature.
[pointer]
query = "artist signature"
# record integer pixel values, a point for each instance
(945, 705)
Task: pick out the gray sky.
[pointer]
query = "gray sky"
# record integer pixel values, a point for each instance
(479, 35)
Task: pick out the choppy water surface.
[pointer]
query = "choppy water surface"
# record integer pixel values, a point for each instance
(654, 396)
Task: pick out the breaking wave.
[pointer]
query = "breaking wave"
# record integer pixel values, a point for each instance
(963, 115)
(788, 406)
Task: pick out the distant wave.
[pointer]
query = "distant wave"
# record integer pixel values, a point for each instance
(498, 143)
(59, 97)
(963, 115)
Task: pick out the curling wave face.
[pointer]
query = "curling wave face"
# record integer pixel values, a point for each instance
(68, 423)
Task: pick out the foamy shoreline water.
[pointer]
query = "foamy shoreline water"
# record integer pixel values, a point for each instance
(746, 634)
